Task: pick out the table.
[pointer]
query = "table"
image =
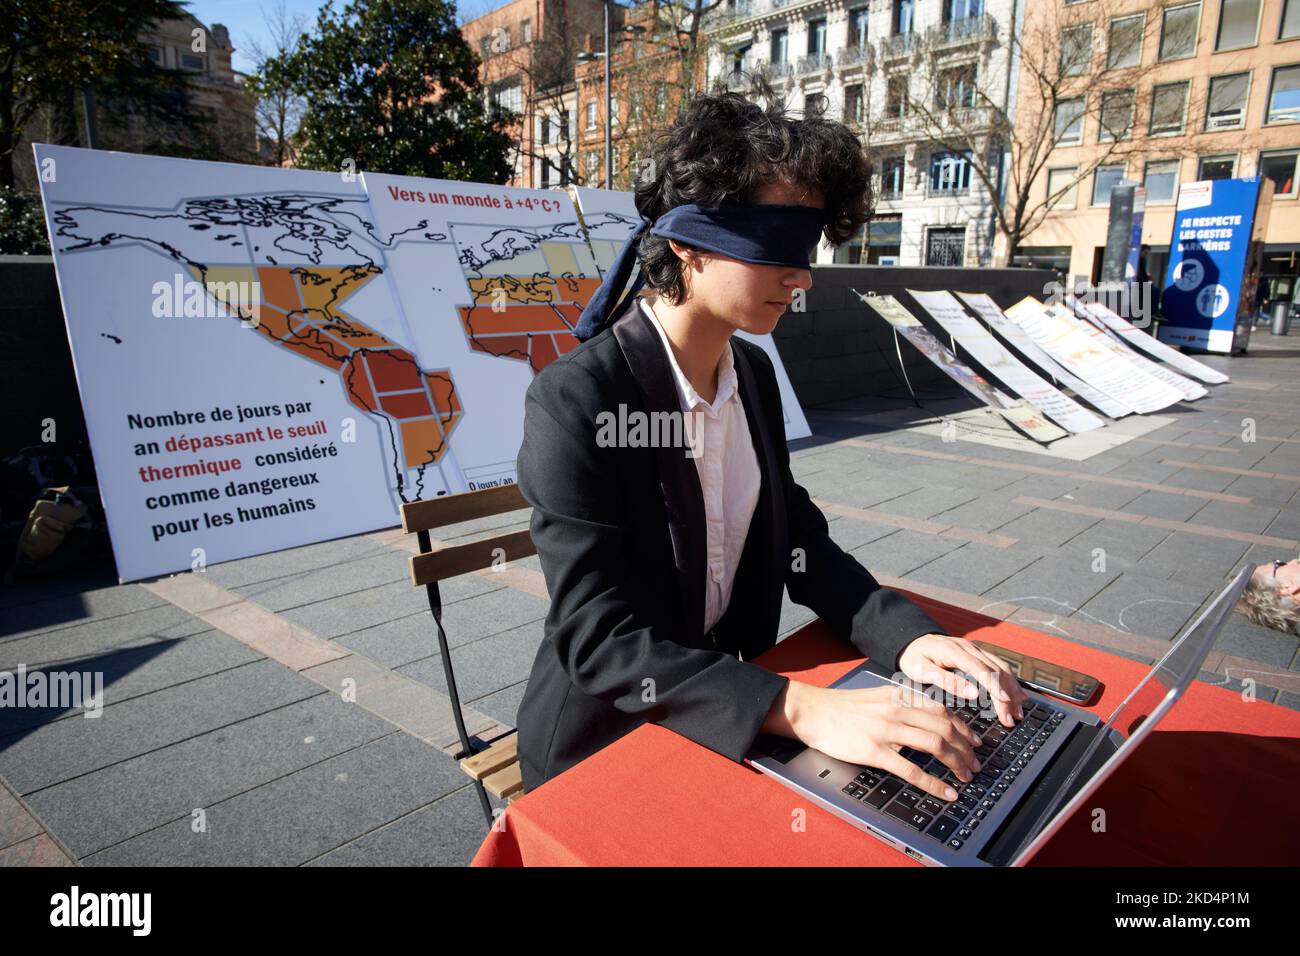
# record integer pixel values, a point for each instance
(1191, 795)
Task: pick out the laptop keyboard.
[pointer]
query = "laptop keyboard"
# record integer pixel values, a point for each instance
(1003, 754)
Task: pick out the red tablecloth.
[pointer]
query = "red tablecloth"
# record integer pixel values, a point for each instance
(1194, 793)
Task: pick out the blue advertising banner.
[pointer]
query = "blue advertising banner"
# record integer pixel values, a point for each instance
(1214, 258)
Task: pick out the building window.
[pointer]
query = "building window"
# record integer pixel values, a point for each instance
(510, 97)
(1062, 190)
(566, 126)
(1124, 47)
(904, 10)
(526, 31)
(853, 103)
(780, 46)
(661, 98)
(858, 27)
(544, 130)
(1226, 106)
(485, 46)
(816, 37)
(1217, 167)
(592, 160)
(1103, 181)
(615, 159)
(613, 111)
(1178, 31)
(950, 173)
(891, 177)
(192, 62)
(1290, 20)
(1169, 108)
(896, 95)
(740, 59)
(945, 247)
(954, 11)
(1238, 24)
(1116, 115)
(1161, 180)
(1284, 97)
(884, 239)
(1069, 121)
(546, 173)
(813, 104)
(156, 55)
(591, 114)
(1279, 165)
(956, 87)
(1076, 50)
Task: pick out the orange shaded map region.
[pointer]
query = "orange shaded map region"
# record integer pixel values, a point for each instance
(300, 311)
(527, 319)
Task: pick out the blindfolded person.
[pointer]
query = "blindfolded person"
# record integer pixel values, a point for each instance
(666, 561)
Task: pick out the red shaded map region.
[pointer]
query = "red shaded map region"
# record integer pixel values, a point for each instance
(529, 319)
(300, 311)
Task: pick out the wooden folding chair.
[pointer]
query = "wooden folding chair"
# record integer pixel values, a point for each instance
(493, 766)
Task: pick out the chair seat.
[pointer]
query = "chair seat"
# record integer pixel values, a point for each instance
(497, 768)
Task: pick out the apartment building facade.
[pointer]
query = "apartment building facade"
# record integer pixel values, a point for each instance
(529, 50)
(1216, 95)
(921, 81)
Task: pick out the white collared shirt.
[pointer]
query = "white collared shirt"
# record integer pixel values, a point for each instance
(728, 469)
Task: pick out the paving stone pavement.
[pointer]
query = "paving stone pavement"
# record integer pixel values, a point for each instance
(213, 748)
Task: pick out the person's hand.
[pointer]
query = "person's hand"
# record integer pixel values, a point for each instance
(870, 726)
(928, 659)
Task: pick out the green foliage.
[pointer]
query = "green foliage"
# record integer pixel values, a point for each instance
(54, 50)
(391, 86)
(22, 224)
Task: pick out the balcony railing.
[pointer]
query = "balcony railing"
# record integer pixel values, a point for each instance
(854, 56)
(814, 62)
(898, 46)
(779, 69)
(741, 76)
(741, 10)
(966, 30)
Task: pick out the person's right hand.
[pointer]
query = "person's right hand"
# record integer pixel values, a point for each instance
(871, 725)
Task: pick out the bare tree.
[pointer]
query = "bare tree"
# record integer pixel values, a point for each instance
(1078, 78)
(277, 109)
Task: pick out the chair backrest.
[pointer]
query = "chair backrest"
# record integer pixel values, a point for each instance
(420, 517)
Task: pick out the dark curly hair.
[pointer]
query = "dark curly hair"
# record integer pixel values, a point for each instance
(724, 148)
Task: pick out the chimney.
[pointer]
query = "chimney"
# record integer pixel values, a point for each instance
(220, 35)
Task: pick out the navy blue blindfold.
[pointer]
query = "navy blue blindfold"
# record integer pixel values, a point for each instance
(773, 234)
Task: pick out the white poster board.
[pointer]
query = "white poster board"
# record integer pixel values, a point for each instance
(1062, 337)
(1014, 374)
(1021, 414)
(1190, 390)
(988, 310)
(610, 216)
(249, 377)
(1158, 350)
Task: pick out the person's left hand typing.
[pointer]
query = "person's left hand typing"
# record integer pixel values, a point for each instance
(931, 659)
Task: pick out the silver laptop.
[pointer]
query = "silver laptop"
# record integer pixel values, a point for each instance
(1040, 772)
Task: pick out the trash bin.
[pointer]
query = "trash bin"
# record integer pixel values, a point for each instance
(1281, 317)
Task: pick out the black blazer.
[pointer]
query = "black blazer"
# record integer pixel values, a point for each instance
(620, 534)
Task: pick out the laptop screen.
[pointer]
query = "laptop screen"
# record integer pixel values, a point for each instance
(1178, 668)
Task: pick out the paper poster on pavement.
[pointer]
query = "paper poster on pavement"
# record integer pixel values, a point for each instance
(995, 358)
(988, 310)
